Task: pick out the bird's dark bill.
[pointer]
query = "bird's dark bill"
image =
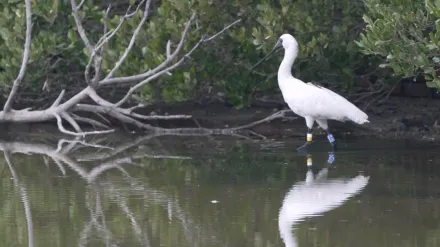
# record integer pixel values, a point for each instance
(277, 46)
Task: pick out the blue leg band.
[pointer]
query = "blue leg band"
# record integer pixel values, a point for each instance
(330, 138)
(331, 158)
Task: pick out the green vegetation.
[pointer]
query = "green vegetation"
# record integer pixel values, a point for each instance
(406, 34)
(399, 40)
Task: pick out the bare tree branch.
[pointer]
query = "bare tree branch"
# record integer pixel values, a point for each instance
(58, 100)
(80, 4)
(279, 114)
(66, 110)
(168, 51)
(161, 66)
(26, 54)
(133, 38)
(79, 26)
(158, 73)
(109, 111)
(83, 134)
(101, 51)
(129, 111)
(108, 35)
(97, 51)
(90, 121)
(72, 122)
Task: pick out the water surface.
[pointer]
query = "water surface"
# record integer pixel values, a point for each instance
(218, 191)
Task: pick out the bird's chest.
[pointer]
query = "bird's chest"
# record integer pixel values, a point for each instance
(296, 104)
(296, 107)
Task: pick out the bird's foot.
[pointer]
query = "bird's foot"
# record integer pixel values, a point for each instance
(303, 148)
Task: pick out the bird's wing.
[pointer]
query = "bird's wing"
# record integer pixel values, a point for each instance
(329, 92)
(320, 102)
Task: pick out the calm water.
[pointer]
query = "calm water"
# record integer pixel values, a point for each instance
(218, 191)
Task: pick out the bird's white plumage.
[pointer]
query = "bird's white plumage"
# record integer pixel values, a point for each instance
(315, 197)
(311, 101)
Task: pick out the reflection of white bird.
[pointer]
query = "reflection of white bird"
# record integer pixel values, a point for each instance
(314, 103)
(314, 197)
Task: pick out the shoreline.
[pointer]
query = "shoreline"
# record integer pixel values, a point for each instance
(398, 118)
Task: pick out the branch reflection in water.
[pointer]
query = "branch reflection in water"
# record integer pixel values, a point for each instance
(99, 190)
(314, 197)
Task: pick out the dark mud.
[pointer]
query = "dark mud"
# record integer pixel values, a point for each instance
(397, 118)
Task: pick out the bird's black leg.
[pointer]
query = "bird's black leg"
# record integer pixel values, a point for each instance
(331, 139)
(308, 142)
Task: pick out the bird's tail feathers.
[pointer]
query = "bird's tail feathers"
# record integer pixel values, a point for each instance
(358, 116)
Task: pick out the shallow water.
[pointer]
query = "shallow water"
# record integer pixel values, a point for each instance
(218, 191)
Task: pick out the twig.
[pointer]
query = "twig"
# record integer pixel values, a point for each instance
(83, 134)
(389, 92)
(90, 121)
(108, 35)
(129, 111)
(58, 100)
(158, 68)
(222, 31)
(158, 73)
(279, 114)
(27, 50)
(168, 51)
(79, 25)
(256, 134)
(133, 38)
(374, 99)
(101, 51)
(80, 4)
(72, 122)
(99, 48)
(115, 114)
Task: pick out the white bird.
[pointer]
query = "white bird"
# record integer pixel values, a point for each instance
(310, 101)
(313, 197)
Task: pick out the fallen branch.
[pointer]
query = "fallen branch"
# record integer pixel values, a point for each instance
(79, 133)
(70, 109)
(90, 121)
(276, 115)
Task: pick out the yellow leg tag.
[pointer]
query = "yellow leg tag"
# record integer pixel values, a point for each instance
(309, 161)
(309, 137)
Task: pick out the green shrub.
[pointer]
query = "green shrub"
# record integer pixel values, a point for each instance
(55, 53)
(325, 29)
(405, 34)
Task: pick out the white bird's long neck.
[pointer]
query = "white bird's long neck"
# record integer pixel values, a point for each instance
(285, 68)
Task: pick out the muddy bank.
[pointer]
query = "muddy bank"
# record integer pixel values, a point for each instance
(397, 118)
